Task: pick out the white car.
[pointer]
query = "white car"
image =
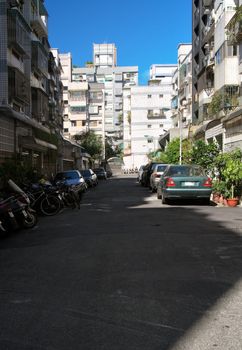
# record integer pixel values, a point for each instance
(140, 171)
(155, 176)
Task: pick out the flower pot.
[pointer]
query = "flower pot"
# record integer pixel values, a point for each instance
(232, 202)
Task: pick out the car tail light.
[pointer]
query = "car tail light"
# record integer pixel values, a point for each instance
(170, 182)
(208, 183)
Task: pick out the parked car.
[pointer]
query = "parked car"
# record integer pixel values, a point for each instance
(155, 175)
(140, 171)
(72, 178)
(101, 173)
(90, 177)
(184, 182)
(148, 169)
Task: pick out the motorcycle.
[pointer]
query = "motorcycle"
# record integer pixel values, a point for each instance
(25, 215)
(8, 220)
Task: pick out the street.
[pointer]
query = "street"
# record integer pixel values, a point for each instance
(122, 273)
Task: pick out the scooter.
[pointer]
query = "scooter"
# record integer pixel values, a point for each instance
(8, 222)
(25, 215)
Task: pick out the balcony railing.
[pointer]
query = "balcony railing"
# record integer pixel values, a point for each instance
(40, 105)
(39, 18)
(19, 86)
(156, 115)
(39, 58)
(18, 33)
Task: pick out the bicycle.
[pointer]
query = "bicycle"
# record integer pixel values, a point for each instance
(47, 203)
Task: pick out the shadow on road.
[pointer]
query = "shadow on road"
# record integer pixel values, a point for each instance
(123, 273)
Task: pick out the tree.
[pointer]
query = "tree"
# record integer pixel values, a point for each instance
(112, 150)
(91, 142)
(204, 154)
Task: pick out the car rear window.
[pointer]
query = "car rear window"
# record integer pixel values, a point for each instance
(185, 171)
(85, 172)
(161, 168)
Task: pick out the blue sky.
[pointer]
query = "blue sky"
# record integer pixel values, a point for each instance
(144, 31)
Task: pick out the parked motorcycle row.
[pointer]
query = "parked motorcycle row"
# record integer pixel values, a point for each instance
(21, 206)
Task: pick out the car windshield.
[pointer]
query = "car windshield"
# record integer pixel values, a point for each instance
(85, 172)
(185, 171)
(69, 175)
(161, 168)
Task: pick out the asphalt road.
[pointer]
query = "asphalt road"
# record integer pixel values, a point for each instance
(122, 273)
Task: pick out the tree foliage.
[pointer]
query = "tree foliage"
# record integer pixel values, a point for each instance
(204, 154)
(91, 142)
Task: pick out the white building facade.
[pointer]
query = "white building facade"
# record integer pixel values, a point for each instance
(147, 115)
(104, 70)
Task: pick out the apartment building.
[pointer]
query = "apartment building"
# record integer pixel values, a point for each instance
(29, 85)
(216, 78)
(147, 115)
(104, 70)
(232, 122)
(181, 97)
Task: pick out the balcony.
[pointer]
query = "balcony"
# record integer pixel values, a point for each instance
(39, 58)
(152, 114)
(40, 105)
(207, 3)
(18, 33)
(19, 86)
(39, 18)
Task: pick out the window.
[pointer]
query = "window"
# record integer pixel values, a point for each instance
(66, 129)
(161, 125)
(161, 95)
(149, 140)
(78, 109)
(65, 116)
(65, 88)
(148, 126)
(149, 96)
(77, 95)
(73, 123)
(65, 102)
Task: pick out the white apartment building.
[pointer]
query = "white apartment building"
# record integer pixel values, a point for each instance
(146, 116)
(114, 78)
(181, 101)
(76, 109)
(226, 68)
(75, 100)
(232, 122)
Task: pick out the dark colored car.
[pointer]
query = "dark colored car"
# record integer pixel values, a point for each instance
(184, 182)
(90, 177)
(101, 173)
(147, 171)
(71, 178)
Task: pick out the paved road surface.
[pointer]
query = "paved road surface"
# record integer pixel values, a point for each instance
(123, 273)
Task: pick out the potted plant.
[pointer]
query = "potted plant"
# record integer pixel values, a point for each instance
(232, 174)
(220, 192)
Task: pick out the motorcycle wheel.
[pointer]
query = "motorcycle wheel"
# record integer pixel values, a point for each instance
(30, 221)
(50, 205)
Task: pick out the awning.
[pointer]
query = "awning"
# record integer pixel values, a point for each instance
(201, 129)
(35, 144)
(45, 144)
(236, 113)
